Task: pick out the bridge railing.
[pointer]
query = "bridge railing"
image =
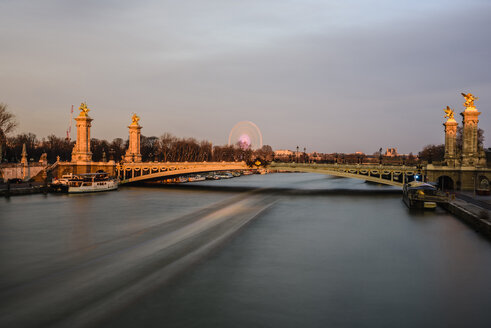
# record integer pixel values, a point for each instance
(132, 172)
(395, 175)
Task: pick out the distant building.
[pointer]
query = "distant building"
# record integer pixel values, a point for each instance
(315, 157)
(283, 153)
(391, 152)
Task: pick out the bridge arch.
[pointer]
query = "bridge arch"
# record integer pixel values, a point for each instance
(139, 172)
(383, 174)
(445, 183)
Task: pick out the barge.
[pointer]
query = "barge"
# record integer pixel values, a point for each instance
(422, 195)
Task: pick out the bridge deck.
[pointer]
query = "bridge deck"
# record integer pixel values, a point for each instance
(389, 175)
(135, 172)
(385, 174)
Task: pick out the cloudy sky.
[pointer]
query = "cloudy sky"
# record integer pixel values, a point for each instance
(332, 76)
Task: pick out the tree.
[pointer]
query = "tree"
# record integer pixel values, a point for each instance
(149, 147)
(99, 148)
(432, 153)
(13, 150)
(266, 153)
(7, 125)
(7, 122)
(54, 146)
(117, 149)
(166, 142)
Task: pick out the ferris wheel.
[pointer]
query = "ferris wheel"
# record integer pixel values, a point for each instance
(246, 134)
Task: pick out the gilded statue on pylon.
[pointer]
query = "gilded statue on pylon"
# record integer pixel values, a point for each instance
(448, 113)
(84, 110)
(469, 100)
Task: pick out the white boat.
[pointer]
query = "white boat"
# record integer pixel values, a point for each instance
(63, 181)
(91, 182)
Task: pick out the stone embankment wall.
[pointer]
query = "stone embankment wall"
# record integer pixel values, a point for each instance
(16, 171)
(22, 189)
(475, 216)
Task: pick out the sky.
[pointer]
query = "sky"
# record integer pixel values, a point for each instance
(331, 76)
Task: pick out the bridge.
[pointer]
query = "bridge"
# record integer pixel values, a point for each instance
(463, 168)
(145, 171)
(392, 175)
(384, 174)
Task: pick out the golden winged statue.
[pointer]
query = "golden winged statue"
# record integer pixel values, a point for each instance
(448, 113)
(84, 109)
(469, 99)
(135, 119)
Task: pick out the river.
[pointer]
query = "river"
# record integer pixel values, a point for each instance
(160, 257)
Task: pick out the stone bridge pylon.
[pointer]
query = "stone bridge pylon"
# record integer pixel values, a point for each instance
(464, 168)
(133, 153)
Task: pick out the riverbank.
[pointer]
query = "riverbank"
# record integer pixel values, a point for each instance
(472, 212)
(26, 188)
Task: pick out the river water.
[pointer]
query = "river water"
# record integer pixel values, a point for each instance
(135, 257)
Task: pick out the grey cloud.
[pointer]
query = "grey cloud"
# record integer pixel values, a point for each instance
(329, 87)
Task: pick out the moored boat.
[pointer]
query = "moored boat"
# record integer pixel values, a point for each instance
(196, 178)
(225, 175)
(422, 195)
(89, 182)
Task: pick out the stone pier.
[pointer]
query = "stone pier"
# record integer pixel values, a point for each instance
(81, 152)
(470, 153)
(81, 155)
(133, 153)
(451, 139)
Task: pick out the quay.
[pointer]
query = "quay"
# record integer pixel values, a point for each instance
(474, 211)
(13, 189)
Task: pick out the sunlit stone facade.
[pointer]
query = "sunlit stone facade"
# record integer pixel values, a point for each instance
(133, 153)
(470, 152)
(81, 152)
(451, 142)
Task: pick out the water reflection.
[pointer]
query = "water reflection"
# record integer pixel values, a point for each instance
(311, 261)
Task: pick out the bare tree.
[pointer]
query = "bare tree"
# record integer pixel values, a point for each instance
(166, 144)
(432, 153)
(7, 122)
(118, 149)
